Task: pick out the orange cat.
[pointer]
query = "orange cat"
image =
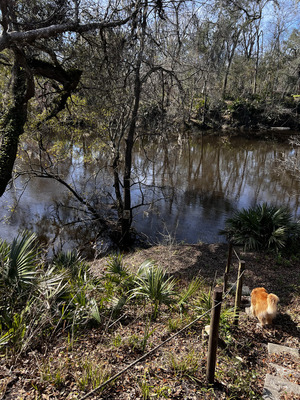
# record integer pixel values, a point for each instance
(263, 305)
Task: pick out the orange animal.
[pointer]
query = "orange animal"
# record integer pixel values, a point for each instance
(263, 305)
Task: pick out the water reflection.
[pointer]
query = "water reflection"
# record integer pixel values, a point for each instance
(204, 181)
(189, 189)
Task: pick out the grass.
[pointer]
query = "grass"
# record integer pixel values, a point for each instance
(91, 374)
(184, 364)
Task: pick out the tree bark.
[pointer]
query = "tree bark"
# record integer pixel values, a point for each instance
(13, 125)
(28, 37)
(127, 211)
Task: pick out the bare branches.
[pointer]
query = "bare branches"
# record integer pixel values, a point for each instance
(14, 38)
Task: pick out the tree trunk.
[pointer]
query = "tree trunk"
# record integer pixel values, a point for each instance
(13, 126)
(127, 211)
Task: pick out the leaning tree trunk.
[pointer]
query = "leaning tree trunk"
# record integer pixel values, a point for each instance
(13, 125)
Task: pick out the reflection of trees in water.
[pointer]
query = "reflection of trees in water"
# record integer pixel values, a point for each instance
(215, 175)
(189, 183)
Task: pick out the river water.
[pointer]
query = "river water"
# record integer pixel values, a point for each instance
(189, 189)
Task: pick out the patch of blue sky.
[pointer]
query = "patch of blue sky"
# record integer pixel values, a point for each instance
(280, 18)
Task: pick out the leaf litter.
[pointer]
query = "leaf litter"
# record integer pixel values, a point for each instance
(177, 370)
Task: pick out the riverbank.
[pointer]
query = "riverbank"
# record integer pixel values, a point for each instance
(274, 134)
(185, 262)
(254, 117)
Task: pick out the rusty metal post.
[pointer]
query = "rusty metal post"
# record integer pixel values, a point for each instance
(227, 269)
(238, 293)
(213, 335)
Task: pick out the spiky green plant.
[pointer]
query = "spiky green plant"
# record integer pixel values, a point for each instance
(18, 261)
(152, 284)
(72, 262)
(204, 304)
(186, 294)
(19, 268)
(36, 300)
(91, 374)
(263, 227)
(115, 265)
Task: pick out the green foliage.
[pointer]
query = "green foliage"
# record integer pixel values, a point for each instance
(117, 303)
(38, 300)
(263, 227)
(186, 294)
(88, 373)
(54, 375)
(117, 340)
(145, 388)
(115, 265)
(72, 262)
(203, 304)
(178, 322)
(18, 278)
(147, 334)
(243, 382)
(152, 284)
(18, 261)
(118, 283)
(91, 374)
(226, 320)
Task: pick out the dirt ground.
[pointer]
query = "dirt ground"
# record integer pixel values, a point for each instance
(177, 370)
(276, 274)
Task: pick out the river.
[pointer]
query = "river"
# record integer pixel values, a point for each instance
(189, 189)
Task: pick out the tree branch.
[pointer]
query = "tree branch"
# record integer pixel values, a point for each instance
(10, 38)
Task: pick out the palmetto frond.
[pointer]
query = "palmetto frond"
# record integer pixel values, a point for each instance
(153, 284)
(51, 285)
(261, 227)
(193, 288)
(115, 265)
(18, 260)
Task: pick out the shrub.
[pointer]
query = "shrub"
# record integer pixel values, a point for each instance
(263, 227)
(37, 300)
(18, 261)
(152, 284)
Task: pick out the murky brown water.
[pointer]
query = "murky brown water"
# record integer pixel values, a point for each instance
(189, 188)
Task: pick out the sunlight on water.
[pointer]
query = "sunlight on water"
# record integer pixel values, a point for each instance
(189, 189)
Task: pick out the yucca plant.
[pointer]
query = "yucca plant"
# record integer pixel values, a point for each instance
(152, 284)
(263, 227)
